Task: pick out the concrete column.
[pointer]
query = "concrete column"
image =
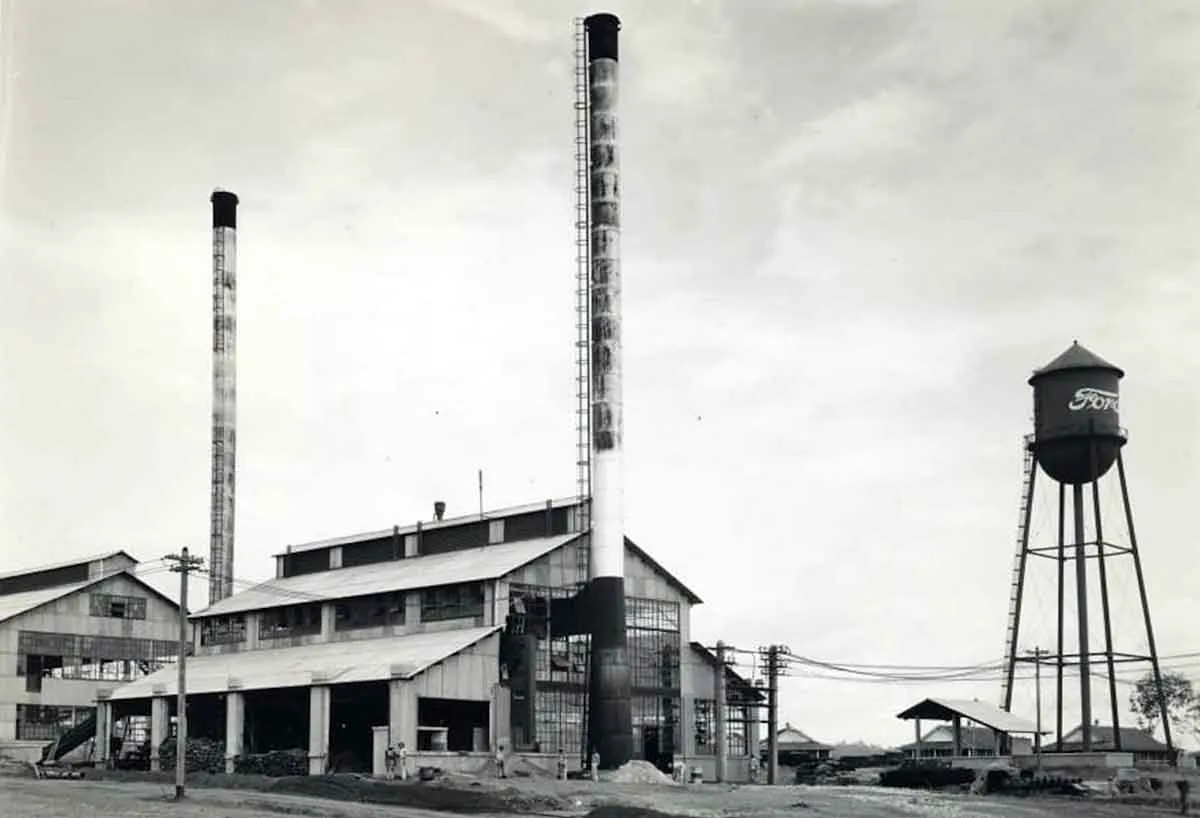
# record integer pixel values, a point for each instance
(402, 714)
(502, 716)
(379, 745)
(917, 730)
(235, 727)
(318, 729)
(957, 735)
(412, 608)
(103, 732)
(160, 723)
(327, 621)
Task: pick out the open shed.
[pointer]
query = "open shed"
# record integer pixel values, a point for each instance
(1004, 725)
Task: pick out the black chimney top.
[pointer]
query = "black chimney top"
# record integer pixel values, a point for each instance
(439, 508)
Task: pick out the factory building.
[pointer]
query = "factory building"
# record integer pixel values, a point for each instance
(66, 632)
(445, 635)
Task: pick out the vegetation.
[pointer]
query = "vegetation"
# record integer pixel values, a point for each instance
(1180, 696)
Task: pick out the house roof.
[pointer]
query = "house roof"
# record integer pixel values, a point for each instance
(793, 738)
(398, 657)
(1133, 740)
(14, 605)
(731, 675)
(857, 749)
(971, 709)
(410, 573)
(35, 569)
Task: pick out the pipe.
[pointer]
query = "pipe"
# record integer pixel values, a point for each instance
(224, 398)
(610, 717)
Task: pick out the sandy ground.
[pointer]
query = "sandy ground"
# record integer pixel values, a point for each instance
(28, 798)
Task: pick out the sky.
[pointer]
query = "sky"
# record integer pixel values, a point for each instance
(851, 230)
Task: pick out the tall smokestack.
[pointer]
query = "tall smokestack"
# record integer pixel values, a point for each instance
(224, 399)
(610, 728)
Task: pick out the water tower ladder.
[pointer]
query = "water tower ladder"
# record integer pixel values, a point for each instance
(1018, 575)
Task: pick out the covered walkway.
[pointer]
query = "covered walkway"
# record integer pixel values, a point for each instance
(1004, 725)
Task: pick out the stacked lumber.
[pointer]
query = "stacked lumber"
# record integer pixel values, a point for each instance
(203, 755)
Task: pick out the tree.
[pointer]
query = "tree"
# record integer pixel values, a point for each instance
(1182, 701)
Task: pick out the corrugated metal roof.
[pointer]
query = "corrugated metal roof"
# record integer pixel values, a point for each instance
(977, 711)
(16, 604)
(429, 525)
(356, 660)
(52, 566)
(12, 605)
(468, 565)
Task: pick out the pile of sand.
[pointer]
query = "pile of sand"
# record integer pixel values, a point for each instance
(641, 772)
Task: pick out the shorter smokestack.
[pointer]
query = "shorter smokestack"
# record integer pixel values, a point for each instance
(439, 509)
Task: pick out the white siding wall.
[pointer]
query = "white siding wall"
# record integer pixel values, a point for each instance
(71, 614)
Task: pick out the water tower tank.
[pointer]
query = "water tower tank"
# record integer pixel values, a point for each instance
(1077, 431)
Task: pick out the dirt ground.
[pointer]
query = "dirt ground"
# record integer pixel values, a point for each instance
(29, 798)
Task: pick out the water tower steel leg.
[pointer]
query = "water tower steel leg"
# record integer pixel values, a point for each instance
(1141, 579)
(1062, 587)
(1108, 640)
(1081, 602)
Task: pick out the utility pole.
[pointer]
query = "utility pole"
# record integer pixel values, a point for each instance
(774, 666)
(1037, 676)
(719, 706)
(182, 564)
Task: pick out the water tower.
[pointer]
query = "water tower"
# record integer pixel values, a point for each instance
(1077, 439)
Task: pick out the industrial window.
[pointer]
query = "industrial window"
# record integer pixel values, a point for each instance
(46, 723)
(657, 717)
(42, 655)
(706, 719)
(452, 602)
(115, 606)
(651, 614)
(653, 659)
(223, 630)
(371, 611)
(737, 726)
(560, 716)
(293, 620)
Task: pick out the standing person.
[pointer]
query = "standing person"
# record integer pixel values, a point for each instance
(389, 762)
(753, 769)
(402, 760)
(560, 766)
(595, 766)
(500, 760)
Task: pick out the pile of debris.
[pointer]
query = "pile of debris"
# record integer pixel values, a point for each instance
(640, 772)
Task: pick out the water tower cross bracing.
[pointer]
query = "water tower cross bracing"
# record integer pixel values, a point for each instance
(1076, 442)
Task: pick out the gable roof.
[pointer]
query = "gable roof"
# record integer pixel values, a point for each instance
(14, 605)
(37, 569)
(971, 709)
(408, 574)
(351, 660)
(1133, 740)
(793, 738)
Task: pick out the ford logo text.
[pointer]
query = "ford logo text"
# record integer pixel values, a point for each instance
(1095, 400)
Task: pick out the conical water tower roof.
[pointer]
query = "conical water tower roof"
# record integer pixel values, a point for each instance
(1077, 357)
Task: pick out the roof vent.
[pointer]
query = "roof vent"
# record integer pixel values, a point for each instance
(439, 509)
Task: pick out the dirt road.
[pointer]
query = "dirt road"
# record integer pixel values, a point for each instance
(28, 798)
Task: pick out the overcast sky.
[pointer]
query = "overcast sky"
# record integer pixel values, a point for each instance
(851, 230)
